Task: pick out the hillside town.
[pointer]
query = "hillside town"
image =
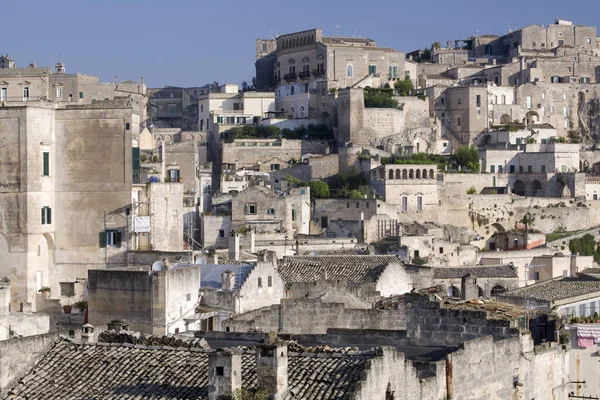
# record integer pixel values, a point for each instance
(356, 222)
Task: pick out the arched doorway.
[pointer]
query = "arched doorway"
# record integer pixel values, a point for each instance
(505, 119)
(536, 188)
(479, 291)
(453, 291)
(519, 188)
(532, 117)
(498, 289)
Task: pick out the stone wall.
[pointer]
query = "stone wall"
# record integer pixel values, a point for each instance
(18, 356)
(291, 316)
(27, 324)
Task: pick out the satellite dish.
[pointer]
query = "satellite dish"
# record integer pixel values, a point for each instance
(200, 261)
(158, 266)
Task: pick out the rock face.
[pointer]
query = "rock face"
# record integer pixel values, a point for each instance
(589, 119)
(394, 143)
(458, 234)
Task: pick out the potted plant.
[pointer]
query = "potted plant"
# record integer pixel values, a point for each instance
(68, 292)
(44, 290)
(82, 305)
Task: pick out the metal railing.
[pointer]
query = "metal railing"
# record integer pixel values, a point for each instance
(304, 75)
(290, 77)
(318, 73)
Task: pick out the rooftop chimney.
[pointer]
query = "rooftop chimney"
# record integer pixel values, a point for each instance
(224, 373)
(228, 280)
(87, 333)
(272, 369)
(60, 67)
(469, 289)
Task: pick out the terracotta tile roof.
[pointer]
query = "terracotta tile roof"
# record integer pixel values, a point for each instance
(493, 309)
(338, 252)
(356, 269)
(487, 271)
(115, 371)
(557, 289)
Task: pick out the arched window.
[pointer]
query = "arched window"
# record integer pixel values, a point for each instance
(301, 111)
(497, 290)
(431, 173)
(292, 112)
(349, 71)
(479, 291)
(411, 174)
(453, 291)
(418, 174)
(424, 174)
(404, 174)
(397, 174)
(391, 174)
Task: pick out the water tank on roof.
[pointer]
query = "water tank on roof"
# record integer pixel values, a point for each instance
(200, 261)
(158, 266)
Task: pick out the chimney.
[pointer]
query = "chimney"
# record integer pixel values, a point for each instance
(118, 325)
(87, 333)
(252, 241)
(224, 373)
(272, 369)
(234, 246)
(228, 280)
(469, 289)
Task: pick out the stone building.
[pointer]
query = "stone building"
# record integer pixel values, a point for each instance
(153, 301)
(489, 280)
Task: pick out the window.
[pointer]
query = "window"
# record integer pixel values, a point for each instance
(45, 163)
(367, 205)
(582, 310)
(26, 93)
(251, 209)
(292, 91)
(221, 233)
(488, 49)
(264, 47)
(59, 92)
(500, 169)
(492, 169)
(67, 289)
(294, 214)
(230, 120)
(521, 169)
(270, 211)
(528, 102)
(404, 204)
(110, 238)
(172, 110)
(511, 169)
(529, 169)
(220, 371)
(188, 297)
(349, 71)
(497, 290)
(441, 250)
(478, 100)
(419, 203)
(81, 95)
(259, 282)
(275, 167)
(543, 169)
(3, 94)
(270, 281)
(393, 71)
(357, 204)
(372, 69)
(563, 168)
(458, 122)
(46, 215)
(324, 207)
(566, 111)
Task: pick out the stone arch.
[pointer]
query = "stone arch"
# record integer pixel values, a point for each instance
(301, 111)
(424, 176)
(505, 119)
(519, 188)
(453, 291)
(168, 139)
(431, 173)
(411, 174)
(581, 97)
(480, 291)
(498, 227)
(292, 112)
(325, 118)
(404, 174)
(536, 188)
(418, 174)
(532, 117)
(391, 174)
(496, 290)
(398, 174)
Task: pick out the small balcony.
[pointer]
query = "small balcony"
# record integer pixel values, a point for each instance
(290, 77)
(304, 75)
(318, 73)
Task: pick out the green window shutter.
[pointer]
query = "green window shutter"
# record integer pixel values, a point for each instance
(43, 216)
(46, 163)
(49, 215)
(294, 214)
(135, 158)
(102, 239)
(81, 95)
(118, 239)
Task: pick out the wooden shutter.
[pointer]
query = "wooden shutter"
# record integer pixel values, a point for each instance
(102, 239)
(118, 239)
(43, 217)
(48, 215)
(46, 163)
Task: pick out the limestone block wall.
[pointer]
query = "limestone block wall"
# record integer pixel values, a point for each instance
(23, 324)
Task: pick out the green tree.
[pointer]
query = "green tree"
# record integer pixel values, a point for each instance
(467, 157)
(355, 195)
(319, 189)
(404, 86)
(585, 246)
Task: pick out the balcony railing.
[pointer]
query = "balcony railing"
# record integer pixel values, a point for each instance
(290, 77)
(304, 75)
(318, 73)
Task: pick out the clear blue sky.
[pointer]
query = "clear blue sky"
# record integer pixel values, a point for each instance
(190, 43)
